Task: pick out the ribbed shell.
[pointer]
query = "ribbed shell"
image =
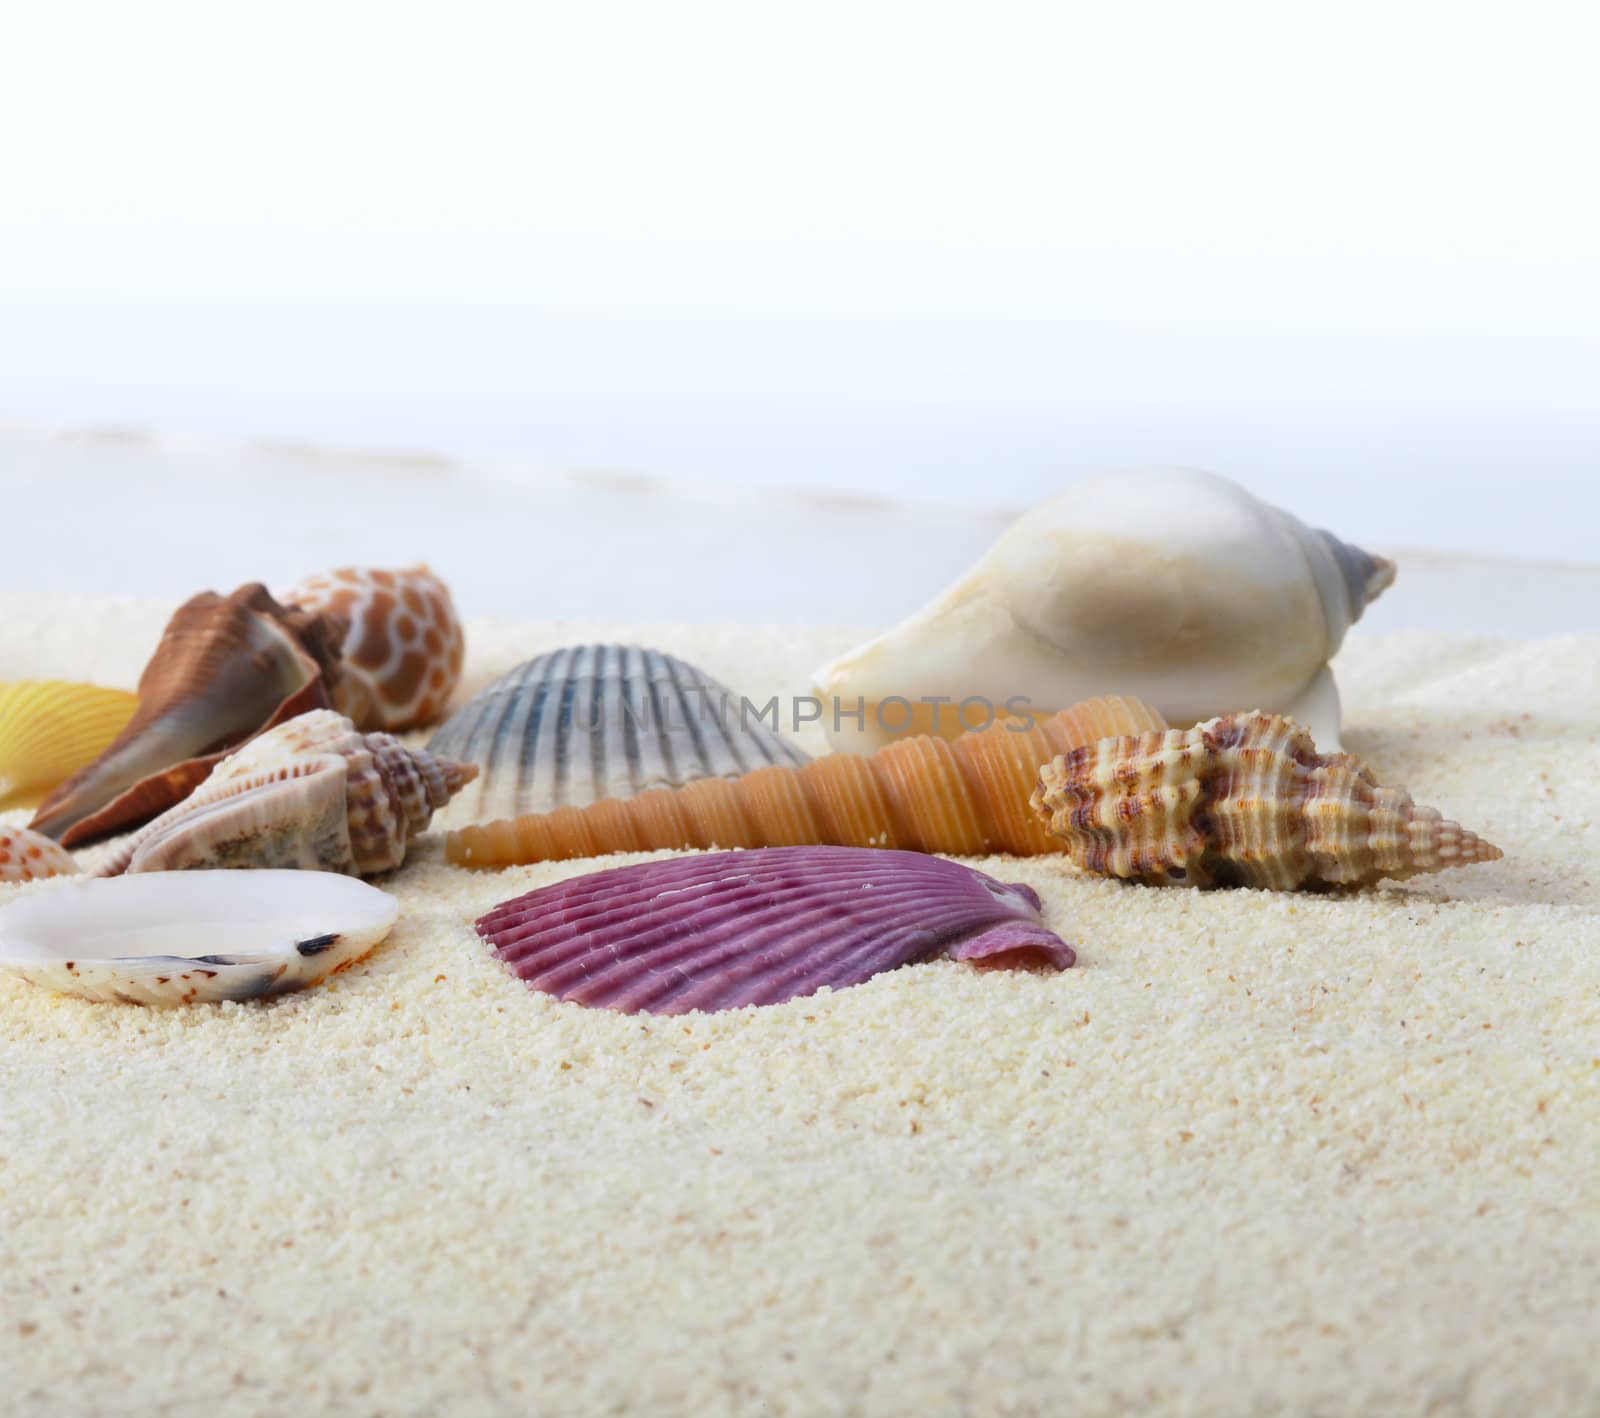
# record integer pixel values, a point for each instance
(26, 856)
(403, 650)
(226, 668)
(737, 928)
(312, 793)
(962, 797)
(49, 729)
(599, 721)
(1244, 800)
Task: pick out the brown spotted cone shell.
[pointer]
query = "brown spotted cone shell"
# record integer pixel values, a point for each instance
(404, 647)
(1244, 800)
(313, 793)
(225, 668)
(961, 797)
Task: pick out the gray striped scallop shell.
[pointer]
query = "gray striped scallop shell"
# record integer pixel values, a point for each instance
(599, 721)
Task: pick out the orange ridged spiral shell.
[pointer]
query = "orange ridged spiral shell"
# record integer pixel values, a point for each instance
(964, 797)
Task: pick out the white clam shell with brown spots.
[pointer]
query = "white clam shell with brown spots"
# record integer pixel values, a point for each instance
(193, 937)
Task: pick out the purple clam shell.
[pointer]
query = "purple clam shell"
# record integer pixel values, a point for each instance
(725, 929)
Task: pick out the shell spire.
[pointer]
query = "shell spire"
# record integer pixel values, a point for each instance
(312, 793)
(226, 668)
(1173, 585)
(962, 797)
(1244, 800)
(1348, 579)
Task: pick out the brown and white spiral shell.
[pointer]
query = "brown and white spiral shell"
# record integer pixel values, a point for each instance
(313, 793)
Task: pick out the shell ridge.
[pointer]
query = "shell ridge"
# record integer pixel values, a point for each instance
(705, 912)
(692, 727)
(778, 924)
(52, 729)
(710, 912)
(848, 958)
(863, 934)
(646, 730)
(524, 736)
(623, 888)
(759, 972)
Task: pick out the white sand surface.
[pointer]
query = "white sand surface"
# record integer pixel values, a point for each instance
(1256, 1154)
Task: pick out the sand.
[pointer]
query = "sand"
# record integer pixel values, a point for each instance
(1257, 1154)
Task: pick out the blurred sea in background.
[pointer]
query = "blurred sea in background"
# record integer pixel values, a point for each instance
(112, 513)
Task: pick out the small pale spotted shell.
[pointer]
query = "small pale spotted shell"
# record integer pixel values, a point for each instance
(402, 654)
(26, 856)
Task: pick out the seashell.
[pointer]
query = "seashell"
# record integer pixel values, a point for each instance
(1244, 800)
(599, 721)
(26, 856)
(226, 668)
(1177, 587)
(402, 653)
(312, 793)
(49, 729)
(736, 928)
(194, 938)
(963, 797)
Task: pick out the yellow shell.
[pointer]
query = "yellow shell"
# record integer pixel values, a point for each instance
(49, 729)
(960, 797)
(1244, 800)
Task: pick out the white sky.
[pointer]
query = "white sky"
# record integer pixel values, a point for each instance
(1348, 254)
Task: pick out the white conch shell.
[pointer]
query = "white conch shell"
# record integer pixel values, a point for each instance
(312, 793)
(193, 937)
(1174, 586)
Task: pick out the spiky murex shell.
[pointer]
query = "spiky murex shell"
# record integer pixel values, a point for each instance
(1242, 800)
